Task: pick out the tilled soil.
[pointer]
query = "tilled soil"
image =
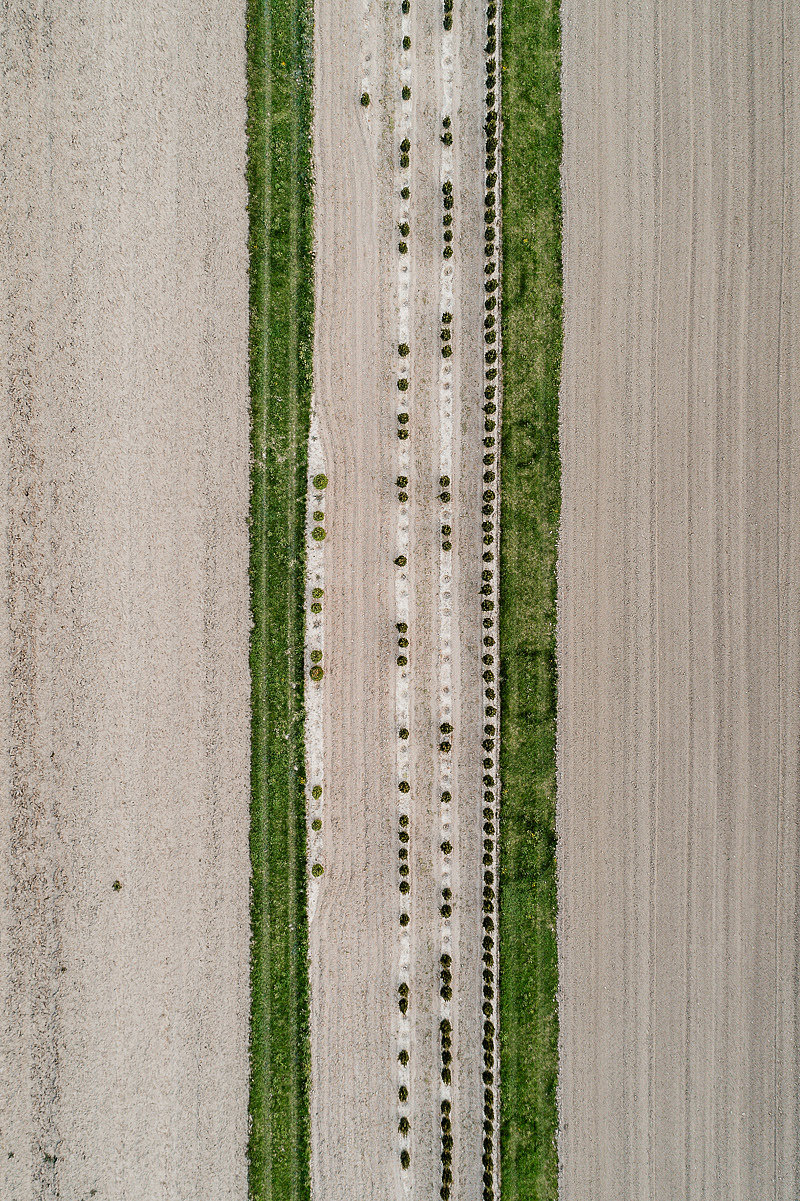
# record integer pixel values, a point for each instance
(679, 604)
(124, 835)
(355, 935)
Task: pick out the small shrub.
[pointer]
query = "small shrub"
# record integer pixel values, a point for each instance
(402, 247)
(444, 497)
(365, 99)
(316, 607)
(117, 885)
(404, 350)
(445, 746)
(403, 418)
(402, 497)
(316, 673)
(405, 887)
(317, 869)
(402, 661)
(405, 7)
(406, 43)
(446, 798)
(317, 593)
(448, 22)
(316, 791)
(406, 92)
(404, 819)
(404, 786)
(400, 561)
(404, 161)
(447, 546)
(447, 848)
(402, 1093)
(316, 656)
(402, 434)
(316, 824)
(402, 481)
(402, 384)
(403, 733)
(405, 193)
(447, 352)
(447, 138)
(403, 1126)
(318, 533)
(403, 1057)
(320, 482)
(405, 1158)
(447, 252)
(404, 919)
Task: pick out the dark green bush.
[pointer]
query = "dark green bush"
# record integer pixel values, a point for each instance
(365, 98)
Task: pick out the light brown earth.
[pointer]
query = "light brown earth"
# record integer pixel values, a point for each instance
(680, 603)
(123, 666)
(354, 937)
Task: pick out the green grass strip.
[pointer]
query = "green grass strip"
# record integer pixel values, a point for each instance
(279, 63)
(532, 339)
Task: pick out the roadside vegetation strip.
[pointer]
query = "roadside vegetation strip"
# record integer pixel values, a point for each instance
(279, 62)
(531, 355)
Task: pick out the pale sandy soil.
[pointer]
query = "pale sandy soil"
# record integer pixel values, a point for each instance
(680, 604)
(355, 936)
(123, 665)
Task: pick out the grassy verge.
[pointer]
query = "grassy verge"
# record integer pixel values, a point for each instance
(279, 58)
(530, 514)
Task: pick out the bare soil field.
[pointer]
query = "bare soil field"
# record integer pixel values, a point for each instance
(361, 954)
(123, 669)
(680, 603)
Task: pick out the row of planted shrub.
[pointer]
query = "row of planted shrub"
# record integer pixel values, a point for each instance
(488, 593)
(403, 647)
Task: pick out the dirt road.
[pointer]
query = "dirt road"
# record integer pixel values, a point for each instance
(373, 298)
(680, 604)
(123, 667)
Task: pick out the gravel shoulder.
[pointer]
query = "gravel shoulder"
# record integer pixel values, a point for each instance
(679, 587)
(123, 669)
